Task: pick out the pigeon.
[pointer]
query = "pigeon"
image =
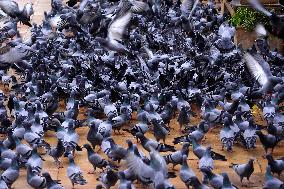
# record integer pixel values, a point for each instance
(35, 180)
(199, 151)
(50, 183)
(95, 159)
(35, 161)
(197, 184)
(23, 150)
(184, 116)
(74, 173)
(3, 184)
(6, 153)
(270, 181)
(5, 163)
(141, 127)
(226, 32)
(14, 55)
(275, 21)
(226, 182)
(186, 173)
(227, 137)
(93, 136)
(71, 139)
(11, 8)
(260, 71)
(206, 160)
(276, 166)
(109, 178)
(123, 183)
(57, 152)
(160, 132)
(12, 173)
(119, 23)
(150, 143)
(267, 141)
(215, 180)
(177, 157)
(116, 152)
(198, 134)
(244, 170)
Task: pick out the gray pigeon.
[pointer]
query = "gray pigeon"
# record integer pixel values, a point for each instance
(186, 173)
(227, 137)
(160, 132)
(271, 182)
(57, 152)
(206, 160)
(123, 183)
(5, 163)
(244, 170)
(260, 70)
(3, 184)
(226, 182)
(93, 136)
(215, 180)
(50, 183)
(150, 143)
(35, 161)
(12, 173)
(35, 180)
(23, 150)
(199, 151)
(276, 165)
(119, 23)
(109, 178)
(184, 116)
(197, 184)
(74, 173)
(177, 157)
(95, 159)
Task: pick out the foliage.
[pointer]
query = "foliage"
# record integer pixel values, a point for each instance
(248, 18)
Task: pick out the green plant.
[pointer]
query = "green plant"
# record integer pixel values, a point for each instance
(248, 18)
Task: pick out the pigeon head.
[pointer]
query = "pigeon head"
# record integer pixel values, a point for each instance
(86, 146)
(121, 175)
(139, 135)
(269, 157)
(186, 145)
(99, 186)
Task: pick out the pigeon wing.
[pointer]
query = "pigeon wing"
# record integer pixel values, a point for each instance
(28, 10)
(118, 25)
(256, 69)
(138, 6)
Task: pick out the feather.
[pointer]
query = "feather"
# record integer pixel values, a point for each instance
(138, 6)
(256, 4)
(256, 69)
(118, 26)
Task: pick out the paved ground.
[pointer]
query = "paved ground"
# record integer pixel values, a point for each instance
(238, 156)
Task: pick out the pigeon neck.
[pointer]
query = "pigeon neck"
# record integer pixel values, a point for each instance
(226, 181)
(90, 151)
(15, 164)
(184, 163)
(49, 181)
(194, 144)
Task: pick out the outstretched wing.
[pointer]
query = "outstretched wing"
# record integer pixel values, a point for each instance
(118, 25)
(28, 11)
(255, 69)
(256, 5)
(138, 6)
